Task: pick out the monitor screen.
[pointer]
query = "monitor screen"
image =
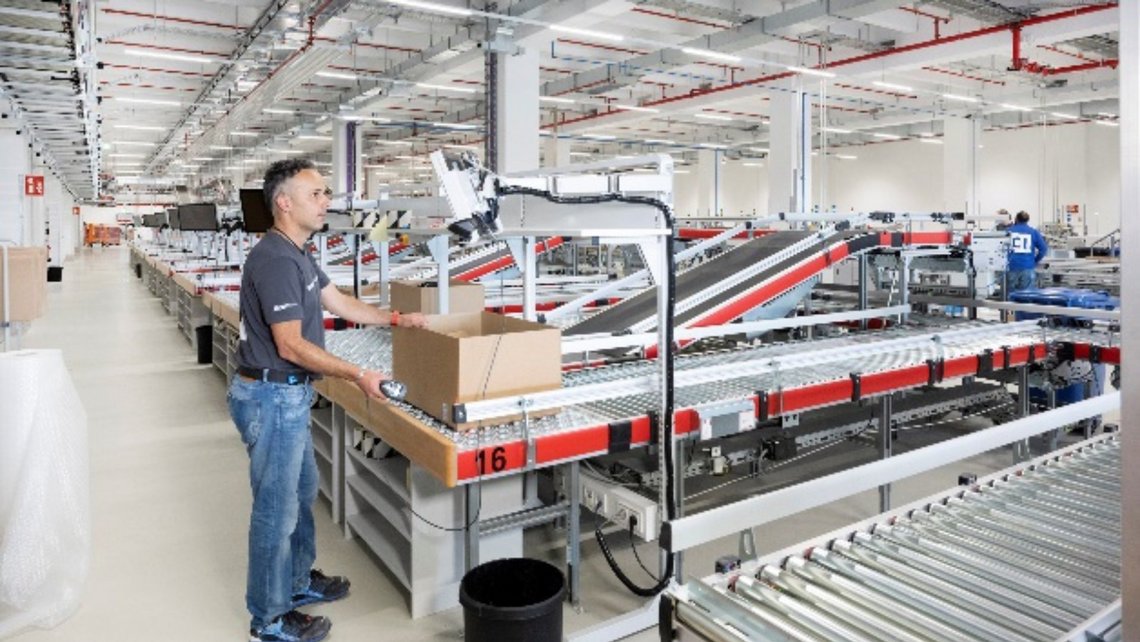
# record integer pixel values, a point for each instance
(152, 220)
(172, 218)
(256, 217)
(198, 217)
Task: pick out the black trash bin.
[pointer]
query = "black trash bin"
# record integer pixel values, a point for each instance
(205, 340)
(512, 600)
(55, 273)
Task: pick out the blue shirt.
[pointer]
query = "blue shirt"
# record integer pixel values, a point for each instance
(1026, 247)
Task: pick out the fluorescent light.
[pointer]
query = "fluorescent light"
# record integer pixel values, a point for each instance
(1015, 107)
(284, 151)
(406, 157)
(136, 143)
(394, 142)
(144, 128)
(222, 147)
(1064, 115)
(588, 33)
(1107, 123)
(712, 116)
(811, 72)
(454, 125)
(274, 110)
(251, 161)
(715, 55)
(203, 159)
(314, 137)
(648, 110)
(712, 146)
(129, 163)
(233, 167)
(891, 85)
(431, 6)
(147, 101)
(681, 171)
(126, 155)
(462, 90)
(834, 130)
(191, 167)
(169, 56)
(846, 156)
(753, 164)
(931, 141)
(373, 119)
(337, 75)
(886, 136)
(960, 98)
(581, 154)
(244, 134)
(556, 99)
(1104, 114)
(660, 141)
(758, 150)
(599, 136)
(473, 148)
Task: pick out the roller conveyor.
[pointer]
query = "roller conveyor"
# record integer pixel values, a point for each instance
(774, 380)
(1031, 554)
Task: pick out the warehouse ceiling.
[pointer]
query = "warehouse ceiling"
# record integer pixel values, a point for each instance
(204, 92)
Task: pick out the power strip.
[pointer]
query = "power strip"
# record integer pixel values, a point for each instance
(618, 504)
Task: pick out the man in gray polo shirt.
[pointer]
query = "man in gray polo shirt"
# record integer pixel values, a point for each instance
(281, 352)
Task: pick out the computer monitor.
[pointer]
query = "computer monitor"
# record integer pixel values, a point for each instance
(256, 217)
(151, 220)
(198, 217)
(172, 218)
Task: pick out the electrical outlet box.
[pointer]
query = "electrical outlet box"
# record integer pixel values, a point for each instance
(618, 504)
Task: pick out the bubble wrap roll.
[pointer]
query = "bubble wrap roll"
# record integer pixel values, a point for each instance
(45, 522)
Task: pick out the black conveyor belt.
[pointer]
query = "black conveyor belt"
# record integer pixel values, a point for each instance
(643, 306)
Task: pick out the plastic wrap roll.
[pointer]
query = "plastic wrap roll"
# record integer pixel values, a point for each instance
(45, 523)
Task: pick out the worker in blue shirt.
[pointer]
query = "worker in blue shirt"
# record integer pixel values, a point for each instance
(1026, 249)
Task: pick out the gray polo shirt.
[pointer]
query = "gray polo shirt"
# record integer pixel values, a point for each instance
(279, 282)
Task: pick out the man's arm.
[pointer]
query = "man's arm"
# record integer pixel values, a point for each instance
(357, 311)
(1040, 246)
(294, 348)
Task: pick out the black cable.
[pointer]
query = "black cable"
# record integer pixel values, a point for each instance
(633, 545)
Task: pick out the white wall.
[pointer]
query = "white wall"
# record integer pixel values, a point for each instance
(13, 166)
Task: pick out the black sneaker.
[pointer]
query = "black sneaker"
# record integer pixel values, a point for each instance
(294, 626)
(322, 588)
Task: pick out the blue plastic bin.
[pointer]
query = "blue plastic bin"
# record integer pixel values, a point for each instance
(1065, 298)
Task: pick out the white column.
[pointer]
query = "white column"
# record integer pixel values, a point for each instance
(789, 149)
(555, 151)
(708, 182)
(1130, 238)
(13, 166)
(346, 158)
(961, 137)
(516, 111)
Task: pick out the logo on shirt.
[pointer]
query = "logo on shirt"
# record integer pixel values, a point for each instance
(309, 287)
(1021, 243)
(284, 306)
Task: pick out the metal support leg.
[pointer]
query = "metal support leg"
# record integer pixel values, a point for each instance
(439, 251)
(573, 534)
(886, 408)
(681, 462)
(904, 285)
(382, 253)
(863, 288)
(1021, 448)
(472, 500)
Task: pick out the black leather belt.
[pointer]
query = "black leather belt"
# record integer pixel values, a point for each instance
(276, 376)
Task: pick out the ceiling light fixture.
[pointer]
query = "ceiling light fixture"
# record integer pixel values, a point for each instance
(274, 110)
(885, 136)
(589, 33)
(648, 110)
(835, 130)
(222, 147)
(599, 137)
(846, 156)
(713, 116)
(126, 155)
(372, 119)
(810, 72)
(931, 141)
(246, 134)
(431, 6)
(715, 55)
(891, 85)
(1058, 114)
(1015, 107)
(144, 128)
(660, 141)
(136, 143)
(454, 125)
(170, 56)
(335, 74)
(314, 137)
(556, 99)
(148, 101)
(1107, 123)
(960, 98)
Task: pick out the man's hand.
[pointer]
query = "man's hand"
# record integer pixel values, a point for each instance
(412, 320)
(370, 385)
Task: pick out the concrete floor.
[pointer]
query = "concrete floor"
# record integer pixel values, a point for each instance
(170, 499)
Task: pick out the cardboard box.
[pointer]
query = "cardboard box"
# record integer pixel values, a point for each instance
(27, 278)
(423, 296)
(474, 356)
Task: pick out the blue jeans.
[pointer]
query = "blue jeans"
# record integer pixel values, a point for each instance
(1022, 279)
(273, 420)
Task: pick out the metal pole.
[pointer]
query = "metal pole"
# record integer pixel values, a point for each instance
(382, 253)
(886, 403)
(573, 534)
(680, 463)
(1021, 448)
(530, 274)
(472, 499)
(863, 288)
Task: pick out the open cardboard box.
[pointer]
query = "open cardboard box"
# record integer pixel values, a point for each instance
(474, 356)
(27, 280)
(423, 296)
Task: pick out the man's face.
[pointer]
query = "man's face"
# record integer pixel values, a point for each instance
(306, 200)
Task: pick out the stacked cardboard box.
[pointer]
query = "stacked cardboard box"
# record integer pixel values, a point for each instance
(27, 280)
(423, 296)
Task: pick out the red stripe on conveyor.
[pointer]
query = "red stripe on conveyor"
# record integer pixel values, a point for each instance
(506, 261)
(700, 233)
